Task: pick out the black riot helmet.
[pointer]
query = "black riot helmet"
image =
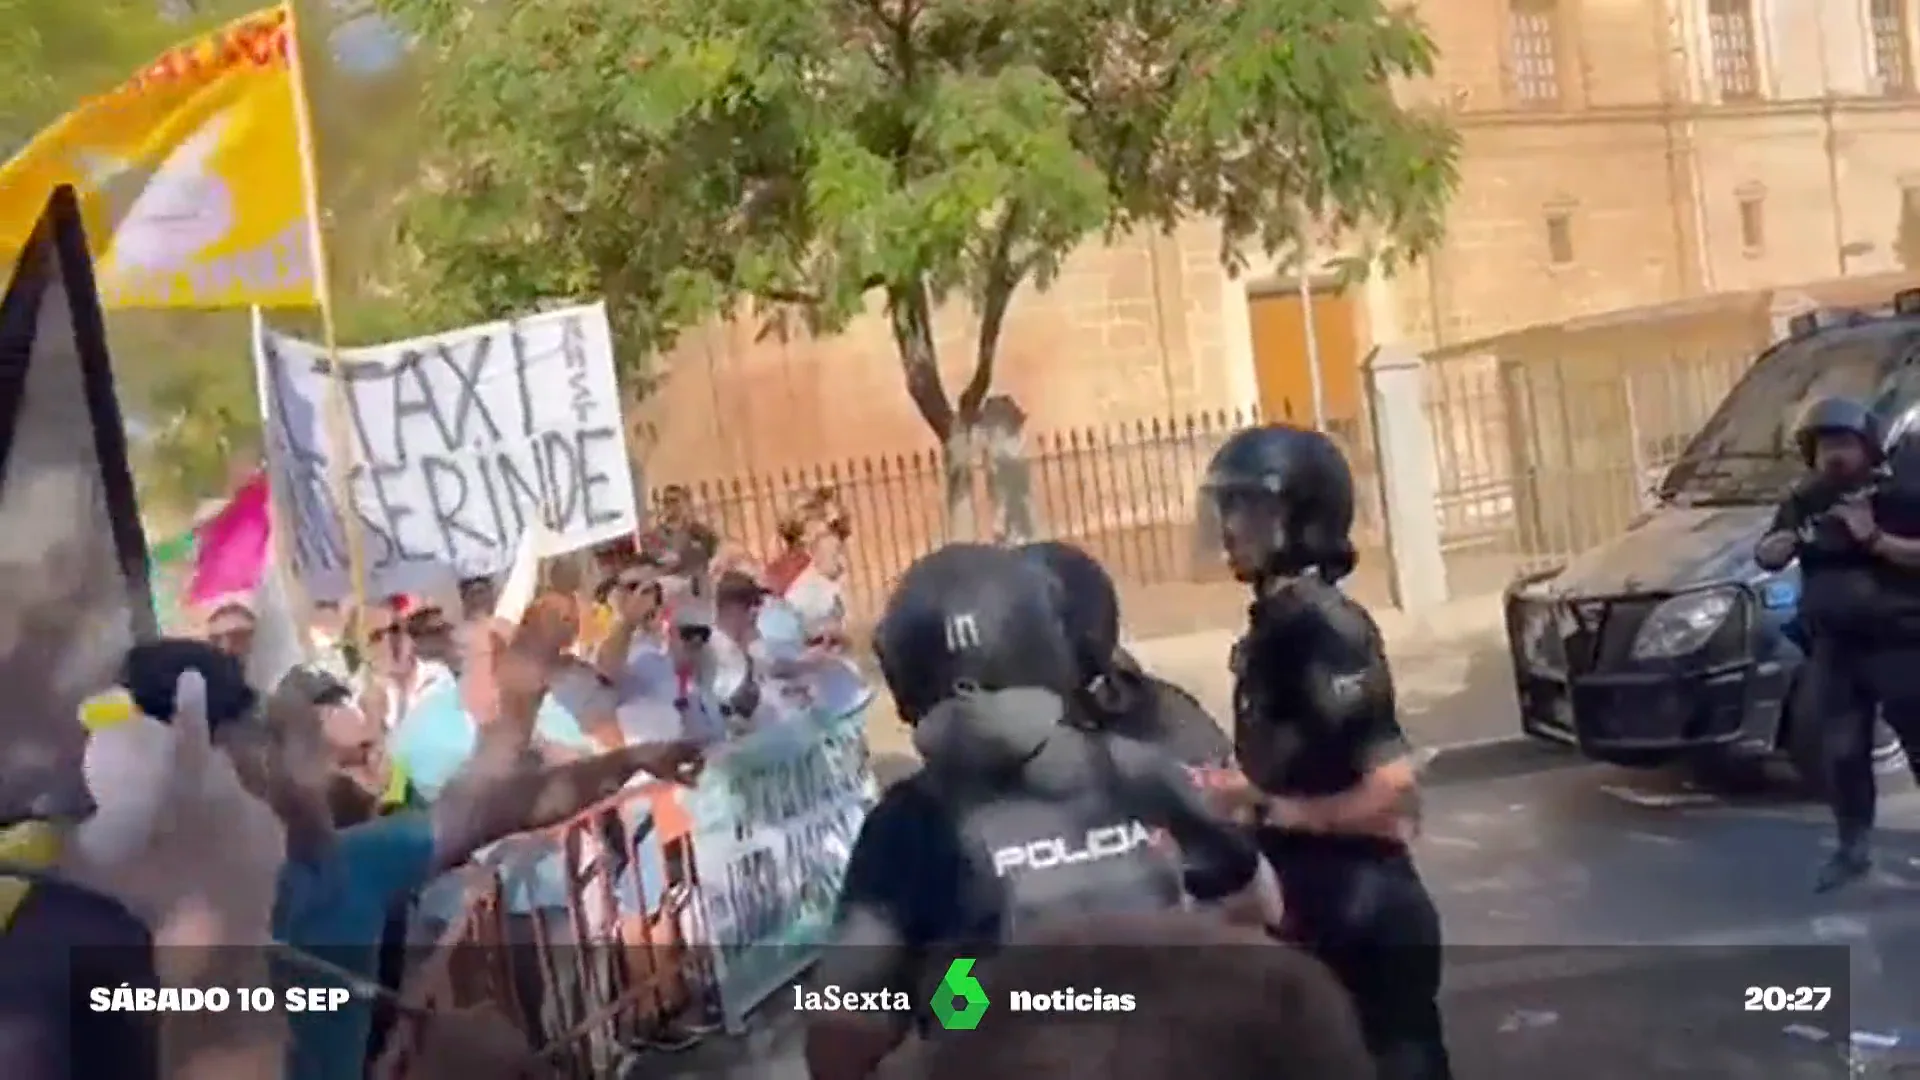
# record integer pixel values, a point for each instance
(972, 617)
(1279, 501)
(1839, 416)
(1089, 603)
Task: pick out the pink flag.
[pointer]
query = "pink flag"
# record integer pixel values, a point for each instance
(231, 547)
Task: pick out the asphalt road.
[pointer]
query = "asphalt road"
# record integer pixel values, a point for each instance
(1605, 924)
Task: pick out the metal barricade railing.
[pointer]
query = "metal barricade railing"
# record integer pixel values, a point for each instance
(627, 972)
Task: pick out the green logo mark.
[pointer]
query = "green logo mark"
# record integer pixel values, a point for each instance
(960, 1001)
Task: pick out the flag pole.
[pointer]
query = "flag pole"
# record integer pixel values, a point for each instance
(338, 417)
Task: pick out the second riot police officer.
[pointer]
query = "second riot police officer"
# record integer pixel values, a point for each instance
(1022, 813)
(1119, 695)
(1860, 606)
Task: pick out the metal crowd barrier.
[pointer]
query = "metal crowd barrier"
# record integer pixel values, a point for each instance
(625, 975)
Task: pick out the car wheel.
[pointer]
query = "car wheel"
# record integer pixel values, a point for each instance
(1801, 743)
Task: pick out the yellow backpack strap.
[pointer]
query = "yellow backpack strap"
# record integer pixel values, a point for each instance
(30, 845)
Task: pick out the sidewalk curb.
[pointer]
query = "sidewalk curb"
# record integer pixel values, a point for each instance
(1462, 617)
(1403, 630)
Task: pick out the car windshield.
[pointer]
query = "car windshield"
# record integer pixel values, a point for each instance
(1745, 452)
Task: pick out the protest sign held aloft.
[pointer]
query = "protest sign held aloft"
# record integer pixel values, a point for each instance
(457, 442)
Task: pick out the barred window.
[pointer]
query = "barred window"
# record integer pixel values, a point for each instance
(1753, 220)
(1533, 41)
(1560, 236)
(1890, 63)
(1736, 67)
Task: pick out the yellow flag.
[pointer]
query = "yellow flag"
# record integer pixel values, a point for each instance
(190, 175)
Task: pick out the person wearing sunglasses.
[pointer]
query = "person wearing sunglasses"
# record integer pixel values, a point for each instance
(398, 676)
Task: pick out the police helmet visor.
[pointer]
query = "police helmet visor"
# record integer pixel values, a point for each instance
(1238, 526)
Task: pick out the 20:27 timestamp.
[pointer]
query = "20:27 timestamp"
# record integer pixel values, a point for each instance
(1799, 999)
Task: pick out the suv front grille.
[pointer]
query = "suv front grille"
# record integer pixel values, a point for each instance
(1595, 637)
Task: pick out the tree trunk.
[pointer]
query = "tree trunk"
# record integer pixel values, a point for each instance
(910, 314)
(957, 459)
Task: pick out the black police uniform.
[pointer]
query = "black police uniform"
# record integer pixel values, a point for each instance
(1018, 814)
(1862, 621)
(1121, 696)
(1314, 712)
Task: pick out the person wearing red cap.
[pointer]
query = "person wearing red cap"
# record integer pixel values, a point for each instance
(397, 675)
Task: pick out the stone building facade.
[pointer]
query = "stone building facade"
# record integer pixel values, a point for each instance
(1616, 153)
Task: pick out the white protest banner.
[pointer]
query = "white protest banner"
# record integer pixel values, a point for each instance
(774, 820)
(458, 441)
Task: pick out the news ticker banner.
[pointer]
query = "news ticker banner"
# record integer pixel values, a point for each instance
(1510, 1012)
(244, 998)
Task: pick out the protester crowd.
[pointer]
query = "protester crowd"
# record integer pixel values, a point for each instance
(443, 731)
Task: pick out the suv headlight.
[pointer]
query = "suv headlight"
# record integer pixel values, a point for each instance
(1683, 624)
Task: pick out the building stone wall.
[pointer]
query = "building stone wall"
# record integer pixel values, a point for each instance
(1657, 180)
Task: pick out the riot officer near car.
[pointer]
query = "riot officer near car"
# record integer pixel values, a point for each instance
(1856, 533)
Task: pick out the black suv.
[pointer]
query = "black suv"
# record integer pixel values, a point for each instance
(1668, 644)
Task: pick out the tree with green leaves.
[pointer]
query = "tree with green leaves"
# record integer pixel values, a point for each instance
(688, 159)
(56, 51)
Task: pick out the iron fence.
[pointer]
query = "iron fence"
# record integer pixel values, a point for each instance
(1541, 457)
(1124, 492)
(1538, 455)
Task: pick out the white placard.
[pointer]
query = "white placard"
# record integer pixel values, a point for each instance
(458, 441)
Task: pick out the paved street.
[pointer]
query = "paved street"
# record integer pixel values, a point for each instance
(1592, 913)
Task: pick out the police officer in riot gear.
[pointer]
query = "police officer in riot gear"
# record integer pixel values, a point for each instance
(1020, 812)
(1118, 694)
(1860, 607)
(1330, 781)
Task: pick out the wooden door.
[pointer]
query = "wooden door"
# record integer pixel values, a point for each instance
(1280, 357)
